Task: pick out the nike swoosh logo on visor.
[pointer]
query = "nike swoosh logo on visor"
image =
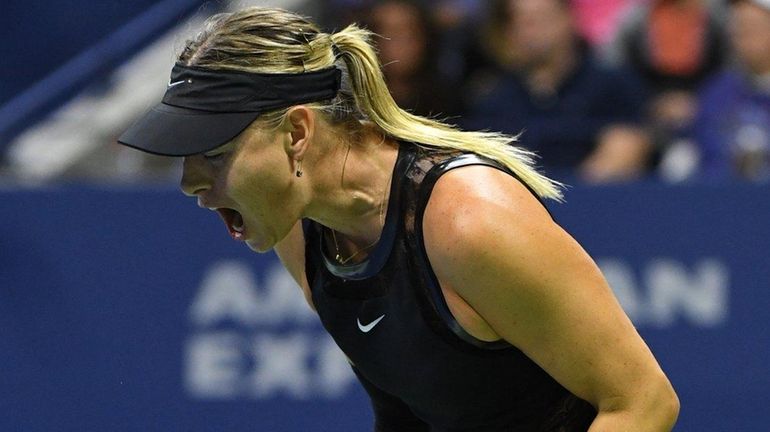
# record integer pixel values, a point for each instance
(367, 328)
(175, 83)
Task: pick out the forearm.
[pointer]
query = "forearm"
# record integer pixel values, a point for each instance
(658, 414)
(620, 421)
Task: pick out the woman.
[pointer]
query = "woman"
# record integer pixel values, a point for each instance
(425, 250)
(410, 47)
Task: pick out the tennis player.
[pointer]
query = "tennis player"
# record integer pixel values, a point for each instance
(425, 250)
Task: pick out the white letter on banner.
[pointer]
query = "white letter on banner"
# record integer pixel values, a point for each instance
(228, 291)
(213, 365)
(702, 296)
(621, 279)
(334, 375)
(280, 363)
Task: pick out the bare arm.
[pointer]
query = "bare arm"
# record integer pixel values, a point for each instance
(291, 251)
(497, 247)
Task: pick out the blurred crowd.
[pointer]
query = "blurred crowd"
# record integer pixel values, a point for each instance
(602, 90)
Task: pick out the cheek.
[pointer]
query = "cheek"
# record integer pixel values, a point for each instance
(255, 172)
(261, 192)
(251, 190)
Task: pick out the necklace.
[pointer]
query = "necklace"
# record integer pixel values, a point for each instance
(338, 256)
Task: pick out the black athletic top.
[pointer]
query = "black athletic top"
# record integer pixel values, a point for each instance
(422, 371)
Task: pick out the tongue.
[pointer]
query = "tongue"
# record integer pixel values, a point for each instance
(233, 221)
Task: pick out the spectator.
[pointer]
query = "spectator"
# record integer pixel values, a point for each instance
(452, 25)
(597, 20)
(578, 115)
(674, 45)
(408, 53)
(733, 125)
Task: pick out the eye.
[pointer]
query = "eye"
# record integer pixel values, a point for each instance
(219, 154)
(214, 157)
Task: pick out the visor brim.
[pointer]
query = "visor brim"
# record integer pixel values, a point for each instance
(168, 130)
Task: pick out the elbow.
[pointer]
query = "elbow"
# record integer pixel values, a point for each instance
(664, 403)
(654, 406)
(672, 405)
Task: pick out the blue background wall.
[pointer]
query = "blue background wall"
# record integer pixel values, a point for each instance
(128, 310)
(51, 51)
(38, 35)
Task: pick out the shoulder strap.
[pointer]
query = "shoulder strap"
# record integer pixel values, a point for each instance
(462, 160)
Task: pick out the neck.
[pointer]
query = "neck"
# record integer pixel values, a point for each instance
(352, 194)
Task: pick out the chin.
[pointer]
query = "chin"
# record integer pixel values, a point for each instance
(259, 247)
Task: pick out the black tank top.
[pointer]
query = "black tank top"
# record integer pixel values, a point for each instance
(390, 318)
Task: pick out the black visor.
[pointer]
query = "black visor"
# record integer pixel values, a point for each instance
(204, 109)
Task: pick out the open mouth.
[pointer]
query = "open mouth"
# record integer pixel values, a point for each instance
(233, 221)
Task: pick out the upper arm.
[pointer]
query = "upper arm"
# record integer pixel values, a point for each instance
(291, 252)
(497, 247)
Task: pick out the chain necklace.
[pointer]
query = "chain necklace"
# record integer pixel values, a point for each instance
(338, 256)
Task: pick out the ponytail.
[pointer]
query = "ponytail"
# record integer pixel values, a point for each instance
(373, 98)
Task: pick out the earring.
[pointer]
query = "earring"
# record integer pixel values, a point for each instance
(298, 173)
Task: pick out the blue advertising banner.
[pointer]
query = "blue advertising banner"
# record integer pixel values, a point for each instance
(128, 310)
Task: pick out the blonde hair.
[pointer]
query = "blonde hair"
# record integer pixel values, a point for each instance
(268, 40)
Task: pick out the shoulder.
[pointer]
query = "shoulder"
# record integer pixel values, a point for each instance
(471, 207)
(493, 243)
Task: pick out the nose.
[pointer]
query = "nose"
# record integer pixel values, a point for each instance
(195, 178)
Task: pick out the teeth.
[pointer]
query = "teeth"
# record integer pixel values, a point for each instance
(237, 223)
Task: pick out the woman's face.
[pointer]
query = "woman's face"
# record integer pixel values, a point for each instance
(403, 48)
(249, 183)
(539, 29)
(750, 33)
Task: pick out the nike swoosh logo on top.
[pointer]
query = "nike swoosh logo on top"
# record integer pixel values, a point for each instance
(175, 83)
(367, 328)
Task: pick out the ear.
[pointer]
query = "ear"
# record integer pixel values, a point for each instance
(300, 124)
